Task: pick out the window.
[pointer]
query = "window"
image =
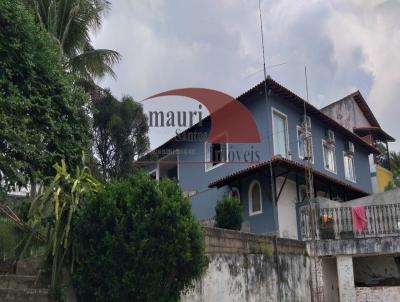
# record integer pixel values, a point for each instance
(280, 133)
(301, 139)
(235, 193)
(216, 154)
(329, 156)
(349, 169)
(255, 202)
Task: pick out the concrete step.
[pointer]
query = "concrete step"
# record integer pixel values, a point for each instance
(23, 282)
(25, 295)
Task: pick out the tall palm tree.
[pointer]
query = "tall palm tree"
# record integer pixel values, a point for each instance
(70, 23)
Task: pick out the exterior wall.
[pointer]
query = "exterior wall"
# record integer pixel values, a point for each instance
(347, 291)
(384, 177)
(378, 294)
(265, 222)
(237, 278)
(194, 178)
(347, 113)
(287, 216)
(243, 268)
(330, 280)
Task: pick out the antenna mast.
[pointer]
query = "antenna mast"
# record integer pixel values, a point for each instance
(309, 179)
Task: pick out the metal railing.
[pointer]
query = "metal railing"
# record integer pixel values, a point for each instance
(337, 222)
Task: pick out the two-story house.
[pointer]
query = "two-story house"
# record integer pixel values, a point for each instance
(268, 177)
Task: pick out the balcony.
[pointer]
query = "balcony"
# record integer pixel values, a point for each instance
(337, 222)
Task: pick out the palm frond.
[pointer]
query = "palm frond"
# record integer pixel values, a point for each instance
(94, 63)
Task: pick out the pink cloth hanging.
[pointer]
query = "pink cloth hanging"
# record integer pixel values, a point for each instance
(360, 221)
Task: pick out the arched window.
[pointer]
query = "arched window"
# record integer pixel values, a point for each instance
(255, 200)
(235, 193)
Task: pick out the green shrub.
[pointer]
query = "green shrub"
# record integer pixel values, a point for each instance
(229, 213)
(137, 241)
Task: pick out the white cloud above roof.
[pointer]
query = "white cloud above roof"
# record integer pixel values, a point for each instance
(346, 45)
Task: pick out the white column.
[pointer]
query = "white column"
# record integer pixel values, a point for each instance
(347, 291)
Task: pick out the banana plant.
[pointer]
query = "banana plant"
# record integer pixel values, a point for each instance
(53, 210)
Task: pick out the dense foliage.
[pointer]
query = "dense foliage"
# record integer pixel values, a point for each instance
(137, 241)
(43, 115)
(395, 168)
(229, 213)
(70, 23)
(120, 134)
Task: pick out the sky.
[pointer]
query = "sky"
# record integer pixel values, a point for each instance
(347, 45)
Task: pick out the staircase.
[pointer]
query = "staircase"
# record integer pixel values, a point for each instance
(23, 288)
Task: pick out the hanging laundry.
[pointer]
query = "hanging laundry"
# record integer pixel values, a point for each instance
(360, 221)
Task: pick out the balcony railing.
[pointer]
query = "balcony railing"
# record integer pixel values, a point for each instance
(337, 222)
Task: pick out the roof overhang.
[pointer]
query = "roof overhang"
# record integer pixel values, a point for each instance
(292, 166)
(376, 132)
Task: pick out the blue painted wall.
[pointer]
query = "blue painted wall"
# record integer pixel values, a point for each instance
(193, 177)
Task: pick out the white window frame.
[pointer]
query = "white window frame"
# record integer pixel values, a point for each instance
(276, 111)
(252, 184)
(298, 145)
(345, 154)
(333, 146)
(235, 189)
(206, 161)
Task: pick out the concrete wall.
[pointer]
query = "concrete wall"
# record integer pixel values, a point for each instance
(330, 280)
(243, 267)
(345, 278)
(347, 113)
(378, 294)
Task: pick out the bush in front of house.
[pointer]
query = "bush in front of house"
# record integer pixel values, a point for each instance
(137, 241)
(229, 213)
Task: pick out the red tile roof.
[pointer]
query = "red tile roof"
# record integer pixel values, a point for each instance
(283, 162)
(311, 110)
(298, 101)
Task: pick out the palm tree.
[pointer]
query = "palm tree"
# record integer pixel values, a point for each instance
(70, 23)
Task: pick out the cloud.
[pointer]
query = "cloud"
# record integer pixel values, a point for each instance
(346, 45)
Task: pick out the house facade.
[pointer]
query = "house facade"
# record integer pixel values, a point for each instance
(353, 113)
(268, 177)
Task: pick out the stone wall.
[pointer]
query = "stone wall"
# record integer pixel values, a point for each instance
(245, 267)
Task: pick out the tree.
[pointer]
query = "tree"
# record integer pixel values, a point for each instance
(70, 22)
(43, 116)
(120, 134)
(229, 213)
(395, 161)
(137, 241)
(395, 168)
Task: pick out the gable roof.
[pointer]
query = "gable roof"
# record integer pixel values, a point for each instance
(297, 101)
(311, 110)
(362, 103)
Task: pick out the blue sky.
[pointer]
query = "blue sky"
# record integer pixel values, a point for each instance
(347, 45)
